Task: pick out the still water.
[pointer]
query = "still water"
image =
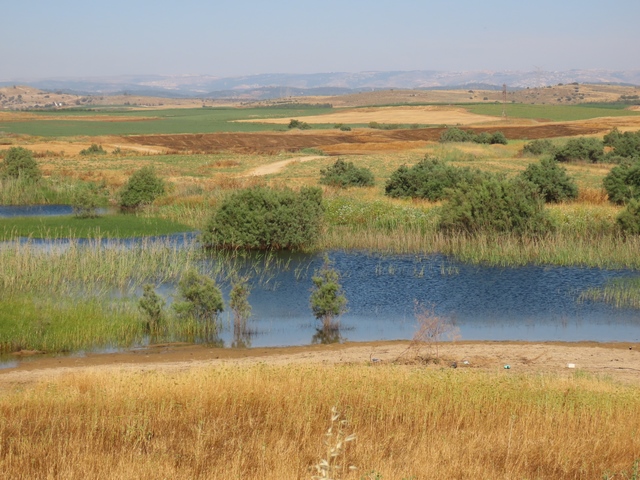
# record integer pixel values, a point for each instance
(485, 303)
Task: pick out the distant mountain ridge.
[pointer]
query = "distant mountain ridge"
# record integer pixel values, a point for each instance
(276, 85)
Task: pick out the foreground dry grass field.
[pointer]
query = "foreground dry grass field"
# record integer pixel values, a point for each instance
(266, 420)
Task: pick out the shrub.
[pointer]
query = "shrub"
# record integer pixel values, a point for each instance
(19, 163)
(299, 124)
(142, 188)
(327, 298)
(345, 128)
(202, 299)
(266, 219)
(629, 218)
(454, 134)
(94, 149)
(87, 199)
(625, 144)
(495, 205)
(539, 147)
(430, 179)
(239, 302)
(581, 149)
(551, 180)
(346, 174)
(622, 183)
(152, 306)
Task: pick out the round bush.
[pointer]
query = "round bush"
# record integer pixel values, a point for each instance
(495, 205)
(551, 180)
(622, 183)
(143, 188)
(263, 218)
(19, 163)
(629, 218)
(346, 174)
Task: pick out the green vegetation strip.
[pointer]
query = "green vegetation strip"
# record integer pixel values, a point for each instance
(556, 113)
(109, 226)
(169, 121)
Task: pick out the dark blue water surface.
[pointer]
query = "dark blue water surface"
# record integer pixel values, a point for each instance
(532, 303)
(34, 210)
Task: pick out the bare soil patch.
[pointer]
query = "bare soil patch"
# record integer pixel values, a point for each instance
(360, 140)
(619, 361)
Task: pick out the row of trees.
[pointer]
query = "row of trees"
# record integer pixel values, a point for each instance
(200, 301)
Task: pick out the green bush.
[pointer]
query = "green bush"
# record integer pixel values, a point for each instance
(551, 180)
(581, 149)
(454, 134)
(87, 199)
(629, 218)
(345, 128)
(299, 124)
(143, 188)
(94, 149)
(495, 205)
(622, 183)
(539, 147)
(431, 179)
(327, 298)
(266, 219)
(202, 299)
(152, 307)
(625, 144)
(19, 163)
(346, 174)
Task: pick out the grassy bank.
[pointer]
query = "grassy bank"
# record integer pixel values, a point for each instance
(107, 226)
(270, 422)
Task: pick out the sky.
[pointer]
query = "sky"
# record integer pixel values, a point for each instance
(71, 38)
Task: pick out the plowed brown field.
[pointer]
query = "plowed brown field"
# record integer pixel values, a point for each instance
(356, 140)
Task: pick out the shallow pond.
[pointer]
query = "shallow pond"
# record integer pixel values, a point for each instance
(485, 303)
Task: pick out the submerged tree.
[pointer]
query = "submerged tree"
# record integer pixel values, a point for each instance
(152, 306)
(327, 297)
(202, 299)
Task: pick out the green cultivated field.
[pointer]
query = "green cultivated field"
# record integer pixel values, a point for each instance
(169, 121)
(556, 113)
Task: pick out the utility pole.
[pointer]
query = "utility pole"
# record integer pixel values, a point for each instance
(504, 101)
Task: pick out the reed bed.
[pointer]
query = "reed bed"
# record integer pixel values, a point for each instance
(623, 293)
(269, 422)
(601, 251)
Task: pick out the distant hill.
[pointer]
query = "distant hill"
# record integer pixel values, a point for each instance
(276, 85)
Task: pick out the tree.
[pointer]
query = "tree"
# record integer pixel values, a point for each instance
(19, 163)
(327, 298)
(239, 302)
(345, 174)
(143, 188)
(152, 306)
(202, 299)
(552, 181)
(264, 218)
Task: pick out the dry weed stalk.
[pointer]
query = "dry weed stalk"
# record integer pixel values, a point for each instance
(336, 440)
(431, 330)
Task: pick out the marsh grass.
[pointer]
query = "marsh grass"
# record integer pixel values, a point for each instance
(623, 293)
(106, 226)
(267, 421)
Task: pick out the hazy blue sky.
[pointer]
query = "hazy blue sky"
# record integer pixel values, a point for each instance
(54, 38)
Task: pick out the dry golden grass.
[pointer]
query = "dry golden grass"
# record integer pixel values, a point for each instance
(431, 115)
(267, 422)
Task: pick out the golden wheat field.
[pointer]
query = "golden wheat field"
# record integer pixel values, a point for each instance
(271, 422)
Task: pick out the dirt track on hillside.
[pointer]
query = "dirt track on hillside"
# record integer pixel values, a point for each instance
(275, 142)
